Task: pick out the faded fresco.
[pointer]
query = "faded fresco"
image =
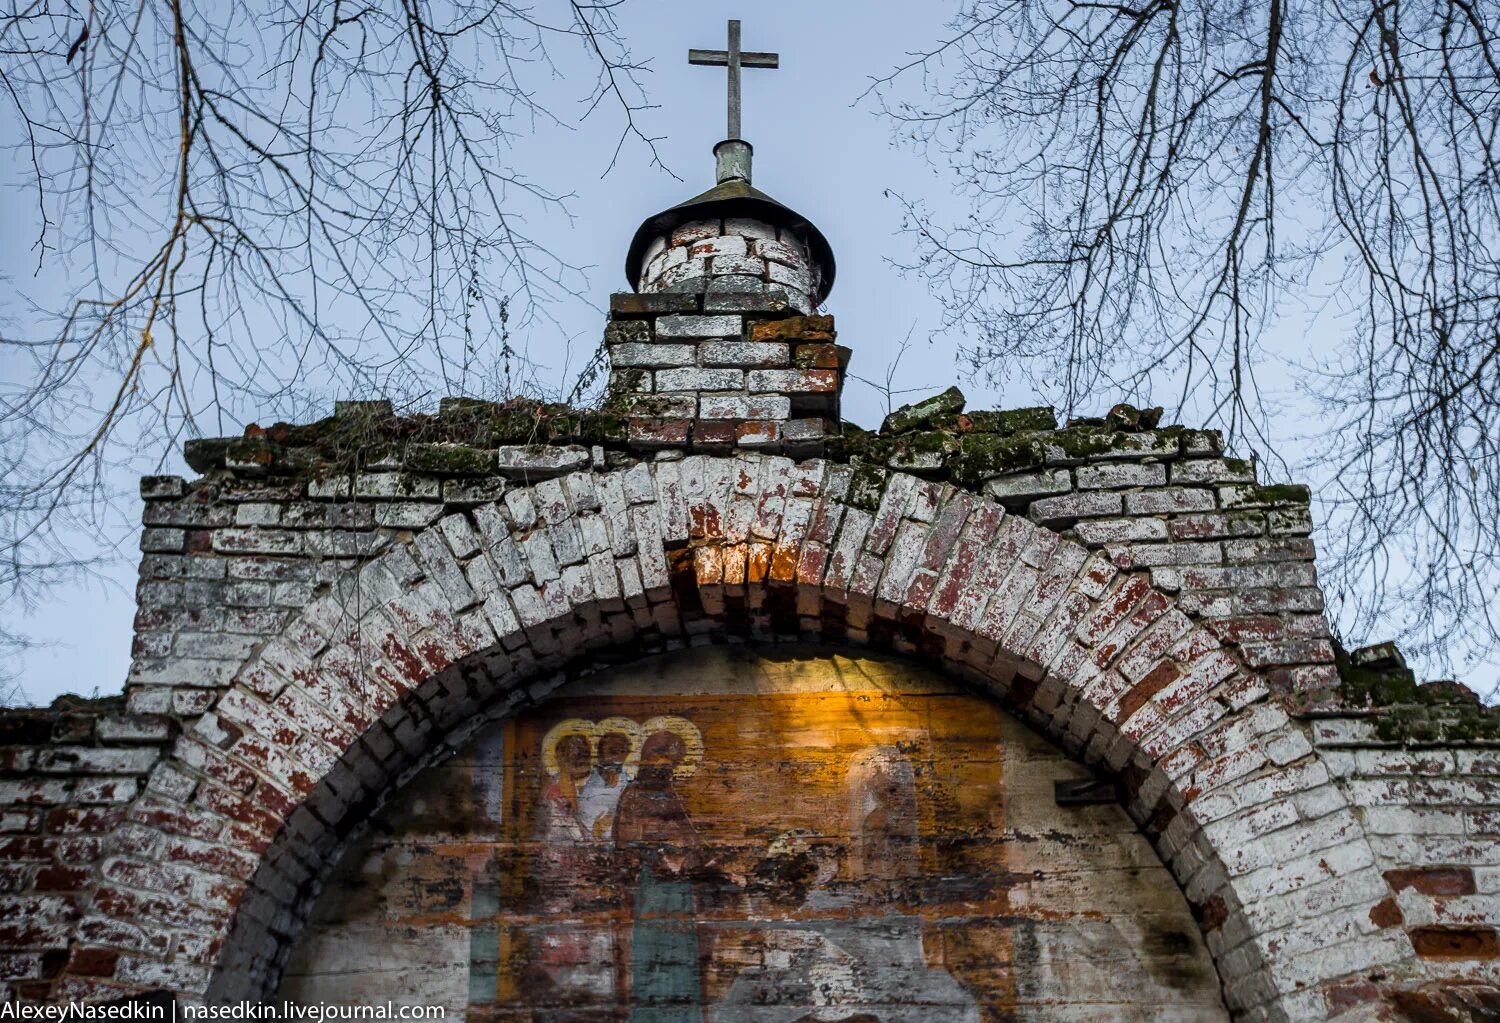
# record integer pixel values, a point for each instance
(721, 837)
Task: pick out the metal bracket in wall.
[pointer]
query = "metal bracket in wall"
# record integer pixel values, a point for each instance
(1084, 792)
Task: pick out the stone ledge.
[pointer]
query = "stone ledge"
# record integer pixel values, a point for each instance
(1387, 706)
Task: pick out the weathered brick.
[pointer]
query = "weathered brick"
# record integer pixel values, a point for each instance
(1096, 532)
(696, 230)
(744, 353)
(530, 462)
(660, 406)
(653, 355)
(759, 406)
(660, 433)
(793, 381)
(720, 326)
(407, 514)
(1169, 500)
(646, 304)
(1148, 555)
(396, 485)
(760, 298)
(1025, 486)
(692, 379)
(479, 491)
(792, 277)
(721, 245)
(1065, 508)
(162, 539)
(157, 488)
(1096, 477)
(1212, 470)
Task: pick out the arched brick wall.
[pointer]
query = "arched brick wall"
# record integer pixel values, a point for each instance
(482, 610)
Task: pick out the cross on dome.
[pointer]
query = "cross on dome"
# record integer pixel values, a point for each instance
(734, 58)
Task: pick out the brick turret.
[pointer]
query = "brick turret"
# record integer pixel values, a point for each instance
(718, 348)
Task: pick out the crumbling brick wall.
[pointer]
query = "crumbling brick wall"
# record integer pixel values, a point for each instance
(71, 777)
(944, 512)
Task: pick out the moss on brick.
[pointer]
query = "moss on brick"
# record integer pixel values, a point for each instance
(867, 486)
(984, 455)
(448, 459)
(604, 427)
(1083, 443)
(1412, 713)
(1276, 493)
(1423, 725)
(1373, 687)
(925, 452)
(922, 413)
(1012, 420)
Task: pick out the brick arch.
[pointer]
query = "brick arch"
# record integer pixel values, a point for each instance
(486, 609)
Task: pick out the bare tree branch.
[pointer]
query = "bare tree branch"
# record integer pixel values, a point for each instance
(1158, 188)
(248, 203)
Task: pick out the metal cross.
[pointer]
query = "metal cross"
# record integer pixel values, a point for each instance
(734, 59)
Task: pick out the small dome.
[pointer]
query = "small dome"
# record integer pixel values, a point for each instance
(735, 198)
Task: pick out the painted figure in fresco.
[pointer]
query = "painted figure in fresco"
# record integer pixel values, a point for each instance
(574, 956)
(883, 820)
(617, 743)
(560, 819)
(658, 842)
(854, 950)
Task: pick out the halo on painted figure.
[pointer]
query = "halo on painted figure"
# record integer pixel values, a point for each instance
(622, 726)
(560, 731)
(692, 742)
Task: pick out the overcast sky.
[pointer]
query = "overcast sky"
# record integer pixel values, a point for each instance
(818, 149)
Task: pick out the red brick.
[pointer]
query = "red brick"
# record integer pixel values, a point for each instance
(817, 356)
(1112, 609)
(713, 435)
(58, 878)
(1343, 997)
(93, 962)
(755, 434)
(814, 560)
(1456, 942)
(69, 819)
(1432, 880)
(1163, 675)
(1386, 914)
(1247, 628)
(794, 328)
(659, 433)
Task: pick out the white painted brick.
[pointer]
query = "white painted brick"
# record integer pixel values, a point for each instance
(693, 379)
(757, 407)
(685, 326)
(1413, 820)
(744, 353)
(696, 230)
(720, 245)
(748, 228)
(640, 354)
